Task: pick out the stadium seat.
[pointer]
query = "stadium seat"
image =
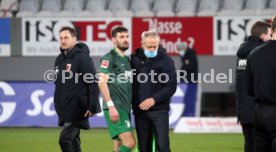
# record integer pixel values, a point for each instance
(28, 8)
(71, 8)
(254, 7)
(271, 10)
(186, 7)
(231, 7)
(7, 7)
(96, 8)
(141, 8)
(208, 7)
(49, 8)
(163, 8)
(120, 8)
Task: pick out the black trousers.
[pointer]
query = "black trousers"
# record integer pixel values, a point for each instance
(150, 122)
(248, 133)
(265, 128)
(69, 139)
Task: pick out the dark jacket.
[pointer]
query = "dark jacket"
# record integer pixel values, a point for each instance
(261, 74)
(160, 92)
(190, 65)
(244, 103)
(73, 98)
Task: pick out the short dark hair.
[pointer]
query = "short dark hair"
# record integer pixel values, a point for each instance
(70, 29)
(118, 29)
(273, 24)
(259, 28)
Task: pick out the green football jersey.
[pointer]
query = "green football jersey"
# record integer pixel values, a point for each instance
(119, 70)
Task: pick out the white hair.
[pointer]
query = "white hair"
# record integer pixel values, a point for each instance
(150, 33)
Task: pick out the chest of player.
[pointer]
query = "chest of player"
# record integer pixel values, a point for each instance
(121, 66)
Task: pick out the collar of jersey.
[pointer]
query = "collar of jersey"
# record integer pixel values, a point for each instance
(117, 54)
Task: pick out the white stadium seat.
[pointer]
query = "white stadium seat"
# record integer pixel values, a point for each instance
(186, 7)
(28, 8)
(231, 8)
(271, 10)
(208, 7)
(71, 8)
(254, 7)
(163, 8)
(141, 8)
(49, 8)
(95, 8)
(11, 5)
(119, 8)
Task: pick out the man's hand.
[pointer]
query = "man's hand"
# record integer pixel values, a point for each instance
(146, 104)
(113, 114)
(88, 114)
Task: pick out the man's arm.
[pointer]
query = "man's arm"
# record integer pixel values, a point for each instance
(169, 88)
(113, 113)
(249, 78)
(165, 93)
(87, 67)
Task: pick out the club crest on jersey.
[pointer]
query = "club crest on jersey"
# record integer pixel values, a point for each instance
(104, 64)
(56, 69)
(68, 67)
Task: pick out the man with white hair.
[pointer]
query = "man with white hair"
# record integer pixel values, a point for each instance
(152, 92)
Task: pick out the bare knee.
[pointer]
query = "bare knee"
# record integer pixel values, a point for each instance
(130, 143)
(127, 139)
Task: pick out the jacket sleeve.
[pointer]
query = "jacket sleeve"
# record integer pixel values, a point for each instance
(249, 78)
(87, 67)
(168, 88)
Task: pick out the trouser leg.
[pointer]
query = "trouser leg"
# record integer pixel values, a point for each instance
(160, 120)
(248, 133)
(144, 132)
(69, 140)
(262, 139)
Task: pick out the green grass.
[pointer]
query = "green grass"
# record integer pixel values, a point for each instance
(97, 140)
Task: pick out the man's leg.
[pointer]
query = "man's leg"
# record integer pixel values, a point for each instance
(77, 143)
(68, 134)
(262, 139)
(144, 132)
(248, 133)
(116, 145)
(128, 141)
(160, 120)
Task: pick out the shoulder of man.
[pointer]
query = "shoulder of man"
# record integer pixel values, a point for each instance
(107, 60)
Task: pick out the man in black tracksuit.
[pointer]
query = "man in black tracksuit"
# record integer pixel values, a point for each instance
(260, 32)
(189, 62)
(151, 97)
(76, 98)
(261, 76)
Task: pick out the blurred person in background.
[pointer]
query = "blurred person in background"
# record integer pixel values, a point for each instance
(151, 98)
(117, 95)
(189, 68)
(261, 86)
(260, 32)
(74, 101)
(189, 62)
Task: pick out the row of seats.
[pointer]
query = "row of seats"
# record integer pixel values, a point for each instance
(130, 8)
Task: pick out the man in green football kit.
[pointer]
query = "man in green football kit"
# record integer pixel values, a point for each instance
(115, 86)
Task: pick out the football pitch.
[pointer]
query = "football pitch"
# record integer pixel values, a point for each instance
(97, 140)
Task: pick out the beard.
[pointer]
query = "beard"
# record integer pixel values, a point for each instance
(123, 46)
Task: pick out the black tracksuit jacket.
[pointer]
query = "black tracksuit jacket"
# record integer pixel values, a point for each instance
(244, 102)
(72, 99)
(190, 65)
(261, 73)
(161, 92)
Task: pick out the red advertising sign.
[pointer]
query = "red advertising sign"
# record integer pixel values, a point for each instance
(41, 35)
(196, 32)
